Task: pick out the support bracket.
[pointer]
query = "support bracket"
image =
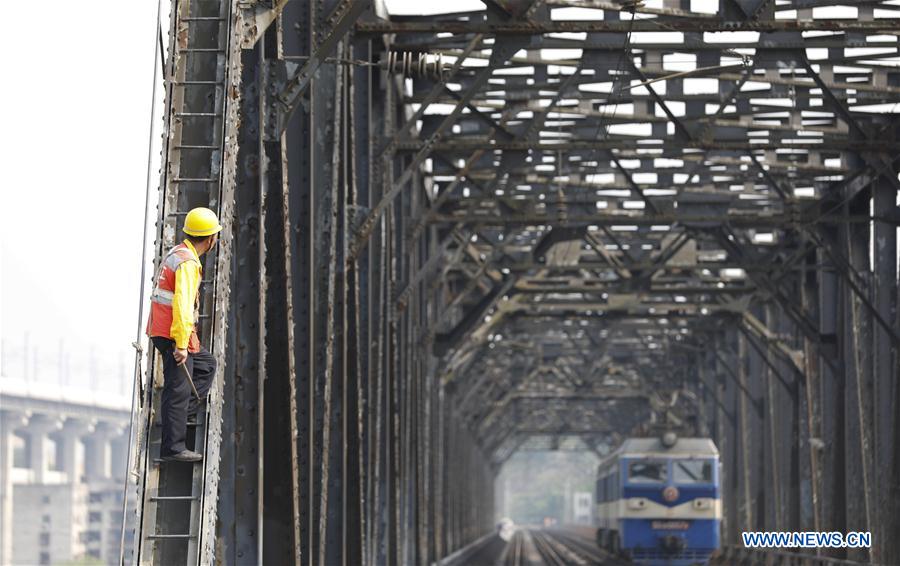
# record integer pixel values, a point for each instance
(256, 17)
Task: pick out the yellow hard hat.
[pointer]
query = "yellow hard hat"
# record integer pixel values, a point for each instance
(201, 222)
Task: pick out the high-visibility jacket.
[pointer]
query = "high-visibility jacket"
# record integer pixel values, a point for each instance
(176, 297)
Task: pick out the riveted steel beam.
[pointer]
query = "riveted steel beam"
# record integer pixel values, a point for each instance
(674, 24)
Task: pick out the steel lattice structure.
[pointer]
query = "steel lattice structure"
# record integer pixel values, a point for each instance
(451, 237)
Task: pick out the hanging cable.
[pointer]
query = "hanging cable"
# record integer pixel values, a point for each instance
(138, 349)
(744, 65)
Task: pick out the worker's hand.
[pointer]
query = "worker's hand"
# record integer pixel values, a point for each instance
(180, 355)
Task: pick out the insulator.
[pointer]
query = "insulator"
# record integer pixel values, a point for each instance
(415, 64)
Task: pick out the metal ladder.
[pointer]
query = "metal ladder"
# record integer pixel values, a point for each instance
(170, 494)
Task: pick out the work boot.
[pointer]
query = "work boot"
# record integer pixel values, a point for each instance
(184, 456)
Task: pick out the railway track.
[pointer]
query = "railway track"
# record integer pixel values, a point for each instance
(554, 548)
(515, 550)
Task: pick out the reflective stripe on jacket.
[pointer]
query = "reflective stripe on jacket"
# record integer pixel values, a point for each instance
(176, 296)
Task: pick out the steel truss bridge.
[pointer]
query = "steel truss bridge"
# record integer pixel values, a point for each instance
(451, 237)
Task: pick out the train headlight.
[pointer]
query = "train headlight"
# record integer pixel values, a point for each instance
(637, 503)
(702, 503)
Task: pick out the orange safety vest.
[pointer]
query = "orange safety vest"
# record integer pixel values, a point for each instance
(160, 321)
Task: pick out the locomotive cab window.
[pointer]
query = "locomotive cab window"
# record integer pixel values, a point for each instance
(647, 472)
(692, 471)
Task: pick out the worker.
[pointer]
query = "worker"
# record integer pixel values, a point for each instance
(171, 327)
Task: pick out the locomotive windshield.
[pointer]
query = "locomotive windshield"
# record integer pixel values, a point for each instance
(692, 471)
(647, 472)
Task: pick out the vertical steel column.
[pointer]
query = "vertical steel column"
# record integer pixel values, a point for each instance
(702, 391)
(300, 285)
(812, 400)
(432, 454)
(391, 385)
(886, 374)
(277, 474)
(774, 474)
(440, 490)
(379, 547)
(854, 240)
(832, 398)
(238, 502)
(751, 437)
(356, 150)
(727, 395)
(791, 401)
(325, 102)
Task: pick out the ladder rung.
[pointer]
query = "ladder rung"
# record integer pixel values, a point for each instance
(200, 114)
(160, 461)
(202, 50)
(188, 83)
(173, 497)
(195, 180)
(160, 424)
(203, 19)
(171, 536)
(198, 147)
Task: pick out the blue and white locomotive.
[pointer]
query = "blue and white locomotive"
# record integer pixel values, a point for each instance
(659, 502)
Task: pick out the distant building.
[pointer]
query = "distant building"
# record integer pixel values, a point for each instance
(582, 503)
(62, 469)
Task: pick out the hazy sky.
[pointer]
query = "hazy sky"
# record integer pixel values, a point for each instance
(74, 154)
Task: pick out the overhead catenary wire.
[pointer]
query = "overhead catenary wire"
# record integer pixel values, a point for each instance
(626, 51)
(337, 60)
(685, 74)
(138, 349)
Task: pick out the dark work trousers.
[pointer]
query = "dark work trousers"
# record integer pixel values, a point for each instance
(178, 399)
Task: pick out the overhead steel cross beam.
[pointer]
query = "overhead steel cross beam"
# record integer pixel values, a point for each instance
(434, 262)
(529, 133)
(622, 26)
(446, 341)
(441, 87)
(629, 143)
(486, 419)
(756, 220)
(502, 51)
(284, 103)
(879, 161)
(484, 270)
(499, 55)
(439, 201)
(598, 395)
(565, 419)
